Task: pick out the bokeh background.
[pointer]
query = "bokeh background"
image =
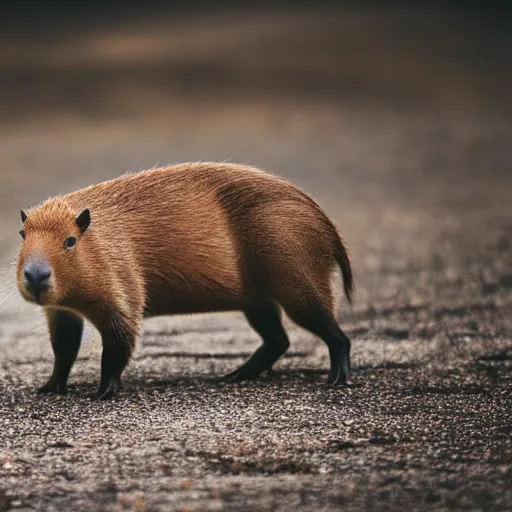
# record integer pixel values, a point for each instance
(397, 119)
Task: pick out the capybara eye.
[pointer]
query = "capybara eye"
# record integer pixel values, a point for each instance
(22, 233)
(70, 242)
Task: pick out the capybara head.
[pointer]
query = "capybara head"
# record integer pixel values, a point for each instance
(49, 261)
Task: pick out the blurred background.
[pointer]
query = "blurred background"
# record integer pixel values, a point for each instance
(396, 118)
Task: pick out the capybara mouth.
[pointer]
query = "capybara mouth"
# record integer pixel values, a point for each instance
(36, 295)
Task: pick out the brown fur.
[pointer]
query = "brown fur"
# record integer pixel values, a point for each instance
(182, 239)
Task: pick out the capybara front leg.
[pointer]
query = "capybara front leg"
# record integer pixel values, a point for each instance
(66, 335)
(117, 351)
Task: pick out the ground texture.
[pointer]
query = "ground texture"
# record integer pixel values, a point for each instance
(407, 146)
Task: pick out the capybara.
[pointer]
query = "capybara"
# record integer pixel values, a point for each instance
(188, 238)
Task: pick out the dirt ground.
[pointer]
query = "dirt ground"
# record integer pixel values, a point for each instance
(400, 125)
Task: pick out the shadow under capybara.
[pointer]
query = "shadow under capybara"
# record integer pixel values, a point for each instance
(187, 238)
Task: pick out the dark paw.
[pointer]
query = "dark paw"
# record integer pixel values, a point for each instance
(53, 387)
(240, 375)
(341, 383)
(340, 378)
(106, 392)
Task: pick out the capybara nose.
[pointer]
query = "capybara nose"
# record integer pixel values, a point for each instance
(37, 275)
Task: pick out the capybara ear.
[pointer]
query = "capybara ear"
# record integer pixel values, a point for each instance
(23, 216)
(83, 220)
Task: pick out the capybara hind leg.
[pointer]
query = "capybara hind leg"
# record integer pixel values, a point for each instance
(117, 350)
(265, 319)
(66, 334)
(318, 320)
